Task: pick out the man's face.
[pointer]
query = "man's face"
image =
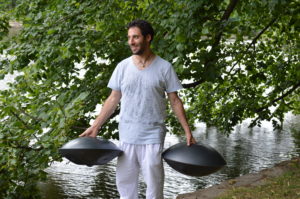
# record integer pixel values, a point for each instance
(136, 41)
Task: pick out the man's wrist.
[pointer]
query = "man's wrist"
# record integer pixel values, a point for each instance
(188, 131)
(97, 127)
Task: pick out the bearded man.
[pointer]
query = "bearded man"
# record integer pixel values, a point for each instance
(141, 83)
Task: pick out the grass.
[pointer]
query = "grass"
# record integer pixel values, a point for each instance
(286, 186)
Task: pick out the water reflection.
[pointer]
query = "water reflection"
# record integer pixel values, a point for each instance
(245, 150)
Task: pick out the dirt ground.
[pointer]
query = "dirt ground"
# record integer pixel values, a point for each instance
(249, 180)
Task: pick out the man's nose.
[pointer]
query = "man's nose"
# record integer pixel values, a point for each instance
(130, 41)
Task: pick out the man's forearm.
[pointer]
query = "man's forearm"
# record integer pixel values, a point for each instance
(179, 111)
(180, 114)
(107, 110)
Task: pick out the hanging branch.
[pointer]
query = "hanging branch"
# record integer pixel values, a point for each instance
(217, 39)
(224, 18)
(32, 117)
(62, 109)
(254, 40)
(295, 87)
(194, 84)
(17, 145)
(22, 121)
(261, 32)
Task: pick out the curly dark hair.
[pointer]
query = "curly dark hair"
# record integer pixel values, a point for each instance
(144, 26)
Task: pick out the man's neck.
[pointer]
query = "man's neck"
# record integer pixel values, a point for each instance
(144, 59)
(145, 56)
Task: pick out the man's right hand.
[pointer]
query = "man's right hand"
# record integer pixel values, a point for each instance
(90, 132)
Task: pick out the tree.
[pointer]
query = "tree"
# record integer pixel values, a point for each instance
(237, 60)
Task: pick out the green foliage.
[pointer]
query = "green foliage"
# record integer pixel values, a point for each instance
(8, 4)
(240, 58)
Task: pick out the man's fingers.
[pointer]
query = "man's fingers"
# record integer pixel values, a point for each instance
(191, 141)
(188, 142)
(85, 133)
(82, 135)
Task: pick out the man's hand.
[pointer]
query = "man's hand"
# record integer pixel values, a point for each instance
(190, 139)
(90, 132)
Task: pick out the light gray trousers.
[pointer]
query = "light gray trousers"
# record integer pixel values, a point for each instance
(147, 158)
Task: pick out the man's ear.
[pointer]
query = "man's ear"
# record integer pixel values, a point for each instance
(148, 38)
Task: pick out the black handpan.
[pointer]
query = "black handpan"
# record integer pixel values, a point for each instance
(194, 160)
(90, 151)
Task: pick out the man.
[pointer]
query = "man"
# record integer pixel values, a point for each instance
(140, 83)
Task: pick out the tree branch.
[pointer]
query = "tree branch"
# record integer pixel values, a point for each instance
(261, 32)
(22, 121)
(16, 145)
(27, 148)
(254, 40)
(225, 17)
(253, 123)
(62, 109)
(217, 39)
(295, 87)
(32, 117)
(194, 84)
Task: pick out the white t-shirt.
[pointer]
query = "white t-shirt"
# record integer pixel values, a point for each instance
(143, 102)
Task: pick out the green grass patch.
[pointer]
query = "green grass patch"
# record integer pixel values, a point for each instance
(286, 186)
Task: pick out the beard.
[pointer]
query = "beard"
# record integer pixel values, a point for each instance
(139, 52)
(140, 48)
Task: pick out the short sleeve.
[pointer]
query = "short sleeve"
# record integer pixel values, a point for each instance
(115, 79)
(172, 82)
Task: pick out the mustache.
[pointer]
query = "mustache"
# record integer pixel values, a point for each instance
(133, 45)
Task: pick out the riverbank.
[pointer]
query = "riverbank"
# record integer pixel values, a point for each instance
(244, 185)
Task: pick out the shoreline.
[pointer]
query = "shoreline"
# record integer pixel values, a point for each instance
(248, 180)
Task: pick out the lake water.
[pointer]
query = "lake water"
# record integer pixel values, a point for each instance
(245, 150)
